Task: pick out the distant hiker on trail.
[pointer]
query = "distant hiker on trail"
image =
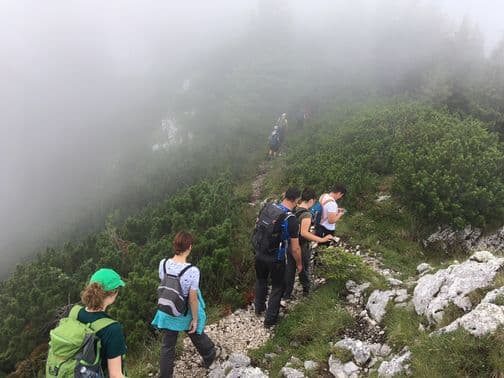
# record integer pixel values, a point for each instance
(275, 236)
(73, 347)
(274, 142)
(304, 218)
(330, 212)
(181, 306)
(282, 125)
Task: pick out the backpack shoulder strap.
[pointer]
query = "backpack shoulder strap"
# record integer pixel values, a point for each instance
(184, 270)
(74, 312)
(164, 267)
(330, 199)
(102, 323)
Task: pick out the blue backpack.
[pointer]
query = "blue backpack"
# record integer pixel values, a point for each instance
(316, 211)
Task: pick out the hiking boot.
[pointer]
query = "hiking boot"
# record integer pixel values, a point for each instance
(269, 325)
(283, 303)
(208, 362)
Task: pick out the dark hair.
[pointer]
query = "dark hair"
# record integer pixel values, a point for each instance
(292, 194)
(93, 296)
(182, 241)
(337, 188)
(308, 194)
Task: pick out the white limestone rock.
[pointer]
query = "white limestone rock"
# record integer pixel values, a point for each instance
(484, 319)
(395, 366)
(239, 360)
(311, 365)
(246, 372)
(452, 285)
(423, 267)
(289, 372)
(360, 351)
(350, 369)
(377, 303)
(336, 367)
(492, 296)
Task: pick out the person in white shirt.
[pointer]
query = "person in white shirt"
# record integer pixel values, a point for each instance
(331, 212)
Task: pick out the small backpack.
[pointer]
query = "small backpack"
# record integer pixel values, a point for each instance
(74, 348)
(170, 297)
(270, 236)
(274, 139)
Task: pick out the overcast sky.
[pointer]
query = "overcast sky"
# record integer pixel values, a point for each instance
(77, 76)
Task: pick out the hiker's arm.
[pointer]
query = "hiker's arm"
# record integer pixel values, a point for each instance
(296, 253)
(305, 232)
(114, 366)
(193, 304)
(332, 217)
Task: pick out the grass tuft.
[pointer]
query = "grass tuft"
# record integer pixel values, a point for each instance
(306, 331)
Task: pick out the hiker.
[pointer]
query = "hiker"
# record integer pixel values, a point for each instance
(276, 235)
(304, 217)
(82, 322)
(170, 317)
(282, 126)
(330, 213)
(274, 142)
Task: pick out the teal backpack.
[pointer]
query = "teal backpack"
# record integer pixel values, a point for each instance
(74, 348)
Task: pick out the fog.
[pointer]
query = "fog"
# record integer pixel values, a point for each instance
(85, 84)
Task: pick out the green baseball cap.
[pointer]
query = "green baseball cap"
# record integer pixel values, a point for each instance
(108, 278)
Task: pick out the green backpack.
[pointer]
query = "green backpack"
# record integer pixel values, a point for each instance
(74, 348)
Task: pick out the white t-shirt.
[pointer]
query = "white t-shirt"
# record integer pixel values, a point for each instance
(190, 278)
(330, 207)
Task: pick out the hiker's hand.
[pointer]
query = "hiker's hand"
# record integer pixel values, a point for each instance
(194, 325)
(341, 210)
(327, 238)
(299, 268)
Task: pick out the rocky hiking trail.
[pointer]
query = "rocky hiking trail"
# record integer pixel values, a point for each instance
(242, 330)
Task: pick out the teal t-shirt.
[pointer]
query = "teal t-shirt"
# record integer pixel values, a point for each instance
(112, 336)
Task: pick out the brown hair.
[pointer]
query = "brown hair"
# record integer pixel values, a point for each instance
(182, 241)
(93, 296)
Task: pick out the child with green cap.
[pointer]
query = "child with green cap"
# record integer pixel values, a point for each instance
(100, 293)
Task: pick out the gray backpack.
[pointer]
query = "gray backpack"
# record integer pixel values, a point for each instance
(170, 297)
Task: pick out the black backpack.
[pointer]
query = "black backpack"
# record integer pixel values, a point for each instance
(267, 238)
(170, 297)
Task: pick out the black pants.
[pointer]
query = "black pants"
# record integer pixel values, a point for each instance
(203, 344)
(321, 231)
(290, 272)
(264, 270)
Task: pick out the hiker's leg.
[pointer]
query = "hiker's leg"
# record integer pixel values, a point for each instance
(205, 347)
(261, 285)
(168, 353)
(277, 289)
(290, 276)
(304, 275)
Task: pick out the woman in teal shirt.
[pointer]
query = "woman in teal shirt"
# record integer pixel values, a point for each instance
(194, 321)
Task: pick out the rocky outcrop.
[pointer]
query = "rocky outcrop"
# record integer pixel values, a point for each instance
(342, 370)
(466, 240)
(484, 319)
(434, 292)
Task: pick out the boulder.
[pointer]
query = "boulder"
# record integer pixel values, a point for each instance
(350, 369)
(361, 351)
(484, 319)
(238, 360)
(378, 300)
(289, 372)
(336, 367)
(448, 239)
(423, 267)
(395, 366)
(452, 285)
